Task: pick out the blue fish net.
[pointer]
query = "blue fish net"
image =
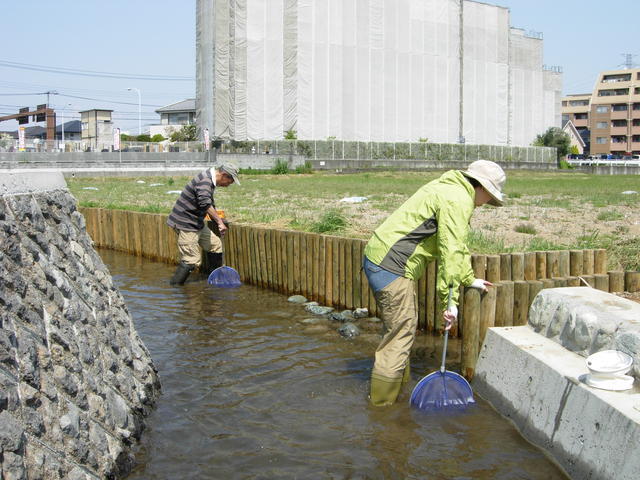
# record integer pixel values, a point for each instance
(224, 277)
(442, 390)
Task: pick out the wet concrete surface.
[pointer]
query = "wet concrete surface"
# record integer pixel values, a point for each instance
(250, 393)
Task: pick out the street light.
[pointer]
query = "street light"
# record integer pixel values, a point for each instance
(139, 109)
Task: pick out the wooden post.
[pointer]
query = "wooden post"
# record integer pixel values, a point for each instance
(504, 304)
(575, 263)
(559, 282)
(348, 265)
(587, 262)
(470, 331)
(534, 288)
(632, 282)
(547, 283)
(588, 279)
(322, 269)
(479, 265)
(600, 261)
(564, 263)
(328, 269)
(553, 269)
(422, 302)
(520, 302)
(517, 266)
(487, 313)
(505, 266)
(493, 268)
(431, 300)
(541, 265)
(573, 281)
(530, 265)
(616, 281)
(601, 281)
(356, 258)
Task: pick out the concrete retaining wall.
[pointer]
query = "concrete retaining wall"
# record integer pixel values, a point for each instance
(593, 434)
(76, 381)
(96, 164)
(537, 380)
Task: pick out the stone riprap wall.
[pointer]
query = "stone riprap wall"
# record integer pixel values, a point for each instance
(586, 321)
(76, 381)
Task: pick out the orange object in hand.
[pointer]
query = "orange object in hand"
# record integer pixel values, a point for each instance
(219, 212)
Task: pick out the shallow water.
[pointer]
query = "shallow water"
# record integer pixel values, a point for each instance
(249, 393)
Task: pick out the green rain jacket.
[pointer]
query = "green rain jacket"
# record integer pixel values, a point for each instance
(433, 224)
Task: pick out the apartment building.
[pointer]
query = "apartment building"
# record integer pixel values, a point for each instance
(611, 113)
(615, 113)
(576, 108)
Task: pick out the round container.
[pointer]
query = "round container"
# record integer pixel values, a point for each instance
(609, 362)
(607, 370)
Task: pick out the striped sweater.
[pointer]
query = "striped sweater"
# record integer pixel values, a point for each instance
(191, 207)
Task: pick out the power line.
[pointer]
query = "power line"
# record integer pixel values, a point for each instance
(92, 73)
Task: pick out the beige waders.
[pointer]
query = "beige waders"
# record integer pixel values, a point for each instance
(398, 308)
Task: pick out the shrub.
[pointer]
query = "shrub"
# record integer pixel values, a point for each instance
(306, 168)
(281, 167)
(525, 228)
(157, 138)
(331, 221)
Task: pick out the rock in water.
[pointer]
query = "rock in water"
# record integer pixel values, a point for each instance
(349, 330)
(297, 299)
(318, 309)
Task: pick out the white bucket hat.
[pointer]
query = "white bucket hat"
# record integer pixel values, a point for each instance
(492, 178)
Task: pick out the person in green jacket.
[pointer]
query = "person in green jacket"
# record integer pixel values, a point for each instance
(433, 224)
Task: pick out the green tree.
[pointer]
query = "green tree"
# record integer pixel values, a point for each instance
(574, 150)
(157, 138)
(143, 138)
(554, 137)
(188, 133)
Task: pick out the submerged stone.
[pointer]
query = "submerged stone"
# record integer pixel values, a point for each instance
(339, 317)
(312, 321)
(318, 309)
(349, 330)
(361, 313)
(297, 299)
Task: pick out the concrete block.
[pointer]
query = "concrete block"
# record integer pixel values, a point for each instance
(534, 381)
(585, 320)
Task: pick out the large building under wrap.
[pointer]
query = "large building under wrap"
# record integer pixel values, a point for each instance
(371, 70)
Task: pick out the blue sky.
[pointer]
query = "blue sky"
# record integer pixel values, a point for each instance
(157, 38)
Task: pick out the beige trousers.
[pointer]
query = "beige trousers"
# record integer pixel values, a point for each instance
(398, 309)
(189, 244)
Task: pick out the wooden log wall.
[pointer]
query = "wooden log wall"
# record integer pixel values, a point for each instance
(327, 269)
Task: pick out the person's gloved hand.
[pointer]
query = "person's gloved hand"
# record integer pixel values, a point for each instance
(481, 284)
(450, 315)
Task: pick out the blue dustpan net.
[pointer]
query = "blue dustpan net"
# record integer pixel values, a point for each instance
(442, 390)
(224, 277)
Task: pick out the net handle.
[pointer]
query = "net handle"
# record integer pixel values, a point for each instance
(446, 332)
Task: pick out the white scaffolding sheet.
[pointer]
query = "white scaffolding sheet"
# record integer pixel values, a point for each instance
(369, 70)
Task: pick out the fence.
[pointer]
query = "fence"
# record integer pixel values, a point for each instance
(327, 269)
(77, 146)
(336, 150)
(352, 150)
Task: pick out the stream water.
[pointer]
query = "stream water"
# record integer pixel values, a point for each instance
(249, 393)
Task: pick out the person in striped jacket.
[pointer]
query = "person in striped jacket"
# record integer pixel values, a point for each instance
(187, 220)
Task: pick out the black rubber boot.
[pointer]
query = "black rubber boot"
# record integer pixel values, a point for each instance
(214, 260)
(181, 274)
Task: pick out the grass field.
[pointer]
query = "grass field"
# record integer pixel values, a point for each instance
(544, 210)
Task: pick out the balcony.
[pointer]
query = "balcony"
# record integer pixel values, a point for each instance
(620, 115)
(618, 131)
(635, 146)
(581, 122)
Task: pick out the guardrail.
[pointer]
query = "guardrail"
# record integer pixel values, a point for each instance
(604, 163)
